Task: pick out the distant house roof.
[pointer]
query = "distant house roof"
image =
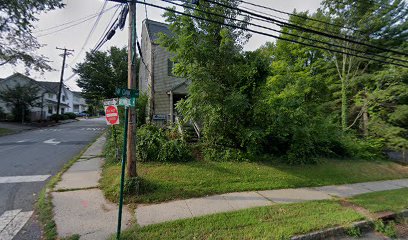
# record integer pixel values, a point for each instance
(50, 86)
(153, 28)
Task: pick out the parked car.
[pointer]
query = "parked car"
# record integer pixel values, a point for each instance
(82, 114)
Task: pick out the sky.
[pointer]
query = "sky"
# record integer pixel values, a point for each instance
(75, 37)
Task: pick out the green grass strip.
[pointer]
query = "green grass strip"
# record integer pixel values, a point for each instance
(392, 200)
(272, 222)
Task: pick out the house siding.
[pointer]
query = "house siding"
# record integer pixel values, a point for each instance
(159, 99)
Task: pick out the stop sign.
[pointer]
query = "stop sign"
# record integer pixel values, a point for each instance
(111, 115)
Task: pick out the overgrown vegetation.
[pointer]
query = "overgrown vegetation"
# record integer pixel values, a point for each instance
(288, 100)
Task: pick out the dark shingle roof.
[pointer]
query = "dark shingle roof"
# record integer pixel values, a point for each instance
(50, 86)
(153, 28)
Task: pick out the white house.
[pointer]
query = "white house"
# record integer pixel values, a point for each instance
(47, 103)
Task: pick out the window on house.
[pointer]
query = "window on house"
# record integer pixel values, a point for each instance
(170, 66)
(63, 98)
(62, 110)
(50, 95)
(50, 109)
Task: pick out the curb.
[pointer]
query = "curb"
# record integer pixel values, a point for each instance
(365, 226)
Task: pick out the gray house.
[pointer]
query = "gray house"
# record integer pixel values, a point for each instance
(156, 80)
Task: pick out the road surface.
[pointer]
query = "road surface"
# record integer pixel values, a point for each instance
(27, 161)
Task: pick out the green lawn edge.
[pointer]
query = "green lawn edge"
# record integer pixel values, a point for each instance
(162, 182)
(44, 208)
(280, 221)
(390, 200)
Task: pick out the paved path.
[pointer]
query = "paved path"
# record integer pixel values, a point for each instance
(157, 213)
(79, 206)
(27, 161)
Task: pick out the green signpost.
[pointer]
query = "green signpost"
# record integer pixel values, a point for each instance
(122, 177)
(127, 98)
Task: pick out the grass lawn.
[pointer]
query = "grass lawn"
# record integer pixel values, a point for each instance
(162, 182)
(5, 131)
(393, 200)
(272, 222)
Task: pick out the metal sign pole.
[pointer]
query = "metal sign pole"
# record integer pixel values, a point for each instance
(122, 178)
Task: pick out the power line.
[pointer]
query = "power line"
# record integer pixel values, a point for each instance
(91, 32)
(66, 23)
(287, 33)
(268, 34)
(296, 15)
(290, 25)
(107, 29)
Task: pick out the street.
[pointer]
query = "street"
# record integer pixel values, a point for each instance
(27, 161)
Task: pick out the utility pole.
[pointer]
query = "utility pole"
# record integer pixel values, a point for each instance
(132, 84)
(66, 52)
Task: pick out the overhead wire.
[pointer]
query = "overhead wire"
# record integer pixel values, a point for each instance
(287, 33)
(91, 32)
(305, 29)
(86, 19)
(268, 34)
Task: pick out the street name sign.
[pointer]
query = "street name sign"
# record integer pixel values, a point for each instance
(111, 115)
(110, 102)
(127, 102)
(127, 93)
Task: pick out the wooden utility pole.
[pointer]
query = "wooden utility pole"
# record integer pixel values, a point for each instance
(66, 52)
(132, 84)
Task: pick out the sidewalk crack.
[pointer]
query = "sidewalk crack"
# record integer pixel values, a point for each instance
(188, 208)
(264, 197)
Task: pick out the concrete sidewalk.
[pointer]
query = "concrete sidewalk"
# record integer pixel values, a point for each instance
(180, 209)
(79, 206)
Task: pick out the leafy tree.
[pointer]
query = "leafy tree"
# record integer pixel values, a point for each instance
(20, 98)
(378, 22)
(292, 107)
(102, 72)
(223, 77)
(16, 25)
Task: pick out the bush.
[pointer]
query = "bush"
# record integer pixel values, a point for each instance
(174, 151)
(70, 115)
(110, 146)
(60, 117)
(154, 145)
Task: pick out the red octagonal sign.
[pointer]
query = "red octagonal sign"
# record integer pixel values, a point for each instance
(111, 115)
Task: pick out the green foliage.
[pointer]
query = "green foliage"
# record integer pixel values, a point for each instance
(102, 72)
(154, 145)
(368, 148)
(141, 105)
(70, 115)
(20, 98)
(18, 45)
(114, 144)
(354, 232)
(388, 229)
(53, 117)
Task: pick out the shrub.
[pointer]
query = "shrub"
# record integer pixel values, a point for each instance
(60, 117)
(70, 115)
(175, 151)
(111, 149)
(153, 144)
(150, 139)
(368, 149)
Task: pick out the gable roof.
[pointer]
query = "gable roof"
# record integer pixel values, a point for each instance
(153, 28)
(50, 86)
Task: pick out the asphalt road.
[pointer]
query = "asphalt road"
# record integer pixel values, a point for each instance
(27, 161)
